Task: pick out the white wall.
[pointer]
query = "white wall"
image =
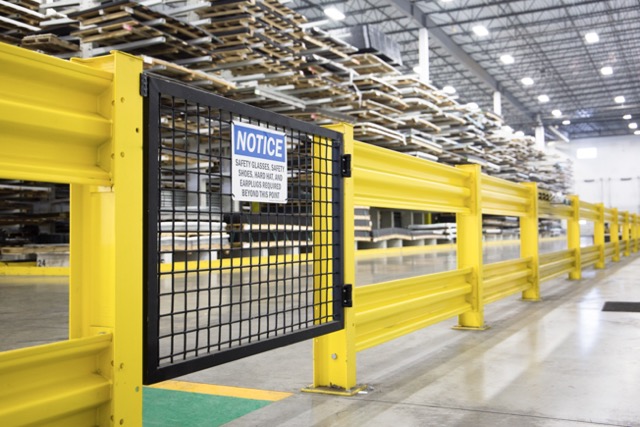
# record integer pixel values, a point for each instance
(613, 178)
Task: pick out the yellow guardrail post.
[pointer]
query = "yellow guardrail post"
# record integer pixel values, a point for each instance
(573, 237)
(598, 235)
(106, 230)
(469, 250)
(625, 234)
(529, 243)
(80, 122)
(614, 234)
(634, 232)
(334, 355)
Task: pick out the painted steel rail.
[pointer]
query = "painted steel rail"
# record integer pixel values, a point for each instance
(385, 311)
(80, 122)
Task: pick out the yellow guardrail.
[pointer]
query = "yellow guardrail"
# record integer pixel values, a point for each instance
(384, 311)
(389, 179)
(502, 279)
(389, 310)
(554, 264)
(80, 122)
(82, 125)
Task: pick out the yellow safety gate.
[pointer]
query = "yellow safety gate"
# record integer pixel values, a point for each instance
(79, 122)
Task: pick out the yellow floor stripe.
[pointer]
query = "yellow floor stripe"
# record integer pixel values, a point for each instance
(220, 390)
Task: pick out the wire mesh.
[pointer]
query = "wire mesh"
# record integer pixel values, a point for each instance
(228, 278)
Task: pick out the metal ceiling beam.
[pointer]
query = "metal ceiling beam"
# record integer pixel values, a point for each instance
(456, 51)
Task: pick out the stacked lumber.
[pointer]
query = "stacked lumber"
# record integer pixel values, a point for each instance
(19, 18)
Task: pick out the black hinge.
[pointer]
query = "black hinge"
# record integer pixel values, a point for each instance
(346, 166)
(144, 85)
(347, 296)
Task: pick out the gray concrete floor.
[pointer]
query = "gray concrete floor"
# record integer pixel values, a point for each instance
(559, 362)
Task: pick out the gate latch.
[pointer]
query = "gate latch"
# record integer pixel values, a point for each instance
(347, 296)
(346, 165)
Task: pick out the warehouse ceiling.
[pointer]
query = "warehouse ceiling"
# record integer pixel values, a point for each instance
(547, 40)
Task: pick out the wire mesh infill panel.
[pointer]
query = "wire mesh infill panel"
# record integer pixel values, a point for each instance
(227, 277)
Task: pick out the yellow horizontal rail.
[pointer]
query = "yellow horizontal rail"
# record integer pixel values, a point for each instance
(502, 197)
(610, 249)
(557, 263)
(505, 278)
(57, 384)
(589, 255)
(553, 210)
(389, 310)
(609, 214)
(589, 211)
(388, 179)
(54, 117)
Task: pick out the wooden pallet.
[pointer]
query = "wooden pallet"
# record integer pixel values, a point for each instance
(49, 43)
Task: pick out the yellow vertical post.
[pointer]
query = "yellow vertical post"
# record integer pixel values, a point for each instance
(529, 242)
(625, 234)
(106, 242)
(469, 250)
(598, 235)
(573, 237)
(634, 233)
(334, 355)
(614, 234)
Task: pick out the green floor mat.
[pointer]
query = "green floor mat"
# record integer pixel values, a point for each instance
(169, 408)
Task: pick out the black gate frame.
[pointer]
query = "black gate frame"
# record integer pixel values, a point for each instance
(152, 87)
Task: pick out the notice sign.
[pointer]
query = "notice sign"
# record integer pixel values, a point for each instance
(258, 164)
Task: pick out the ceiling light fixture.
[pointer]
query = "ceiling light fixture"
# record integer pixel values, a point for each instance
(633, 125)
(606, 71)
(507, 59)
(334, 13)
(627, 117)
(636, 132)
(527, 81)
(449, 90)
(592, 37)
(543, 98)
(566, 122)
(556, 113)
(480, 31)
(619, 99)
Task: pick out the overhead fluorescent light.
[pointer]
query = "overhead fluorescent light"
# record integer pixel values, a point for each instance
(566, 122)
(543, 98)
(449, 90)
(606, 71)
(633, 125)
(636, 132)
(619, 99)
(627, 117)
(507, 59)
(556, 113)
(527, 81)
(592, 37)
(334, 13)
(480, 31)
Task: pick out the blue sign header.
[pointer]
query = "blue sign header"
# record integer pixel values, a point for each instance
(254, 141)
